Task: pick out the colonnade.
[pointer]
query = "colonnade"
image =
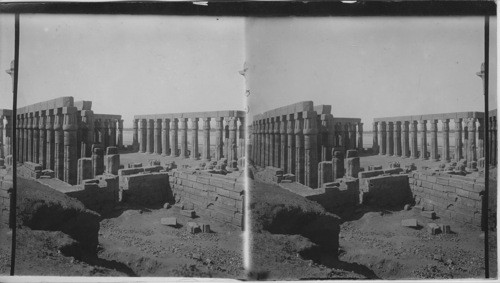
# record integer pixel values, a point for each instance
(5, 132)
(167, 134)
(55, 134)
(406, 136)
(296, 138)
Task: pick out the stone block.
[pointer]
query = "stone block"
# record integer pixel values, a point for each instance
(205, 228)
(112, 164)
(445, 229)
(8, 160)
(351, 153)
(111, 150)
(433, 228)
(187, 206)
(188, 213)
(193, 227)
(418, 208)
(352, 169)
(169, 221)
(412, 223)
(428, 214)
(84, 169)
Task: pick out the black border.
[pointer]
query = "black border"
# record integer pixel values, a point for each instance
(262, 8)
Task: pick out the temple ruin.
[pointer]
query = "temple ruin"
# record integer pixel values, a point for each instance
(297, 137)
(160, 134)
(58, 132)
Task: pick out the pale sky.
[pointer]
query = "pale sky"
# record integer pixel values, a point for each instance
(369, 67)
(127, 65)
(364, 67)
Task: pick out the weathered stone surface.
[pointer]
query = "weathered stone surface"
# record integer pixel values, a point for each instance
(353, 165)
(188, 213)
(433, 228)
(412, 223)
(352, 153)
(428, 214)
(84, 169)
(112, 164)
(169, 221)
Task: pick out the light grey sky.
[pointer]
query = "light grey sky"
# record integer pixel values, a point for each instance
(369, 67)
(127, 65)
(364, 67)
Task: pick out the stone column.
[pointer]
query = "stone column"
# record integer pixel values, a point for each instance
(59, 145)
(30, 137)
(206, 139)
(157, 136)
(375, 146)
(414, 140)
(165, 137)
(232, 150)
(471, 156)
(434, 141)
(2, 147)
(87, 131)
(360, 136)
(276, 138)
(20, 142)
(49, 126)
(283, 144)
(458, 139)
(382, 138)
(299, 150)
(143, 136)
(338, 165)
(325, 173)
(135, 135)
(120, 134)
(98, 138)
(480, 139)
(70, 155)
(173, 137)
(194, 138)
(446, 141)
(346, 143)
(494, 141)
(352, 135)
(311, 149)
(150, 136)
(406, 139)
(262, 150)
(105, 133)
(36, 138)
(397, 138)
(112, 132)
(184, 146)
(241, 137)
(219, 128)
(268, 155)
(390, 139)
(423, 139)
(8, 136)
(290, 130)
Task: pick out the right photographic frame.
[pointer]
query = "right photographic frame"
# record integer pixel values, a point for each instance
(371, 155)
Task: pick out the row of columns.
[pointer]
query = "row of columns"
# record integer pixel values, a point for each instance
(289, 142)
(5, 136)
(161, 136)
(401, 138)
(57, 138)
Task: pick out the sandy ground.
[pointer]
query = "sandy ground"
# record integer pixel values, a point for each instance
(137, 239)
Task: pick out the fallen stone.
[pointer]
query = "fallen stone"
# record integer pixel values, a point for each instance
(188, 206)
(169, 221)
(438, 257)
(418, 208)
(205, 228)
(193, 227)
(445, 229)
(412, 223)
(428, 214)
(407, 207)
(188, 213)
(433, 228)
(167, 205)
(449, 262)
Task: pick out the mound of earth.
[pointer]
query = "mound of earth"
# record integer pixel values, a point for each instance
(290, 234)
(42, 208)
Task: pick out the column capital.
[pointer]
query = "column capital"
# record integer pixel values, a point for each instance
(69, 122)
(135, 123)
(298, 126)
(158, 123)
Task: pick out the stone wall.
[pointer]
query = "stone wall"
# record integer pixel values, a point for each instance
(217, 196)
(451, 196)
(4, 203)
(98, 194)
(383, 191)
(145, 186)
(339, 196)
